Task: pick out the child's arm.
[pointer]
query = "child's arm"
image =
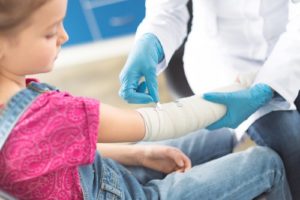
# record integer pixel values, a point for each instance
(183, 116)
(158, 157)
(175, 119)
(120, 125)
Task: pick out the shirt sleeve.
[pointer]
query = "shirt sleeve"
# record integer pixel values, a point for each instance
(57, 131)
(167, 20)
(281, 71)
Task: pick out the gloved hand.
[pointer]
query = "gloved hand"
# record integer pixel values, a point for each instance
(141, 63)
(240, 104)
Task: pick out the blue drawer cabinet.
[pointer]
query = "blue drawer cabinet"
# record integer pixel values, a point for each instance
(93, 20)
(75, 24)
(119, 18)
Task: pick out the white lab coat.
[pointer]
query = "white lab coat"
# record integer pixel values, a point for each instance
(231, 37)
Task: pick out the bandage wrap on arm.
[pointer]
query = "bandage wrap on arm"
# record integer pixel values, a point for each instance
(183, 116)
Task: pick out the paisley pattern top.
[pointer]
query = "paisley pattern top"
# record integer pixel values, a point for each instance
(55, 135)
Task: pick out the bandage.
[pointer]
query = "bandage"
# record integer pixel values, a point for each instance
(183, 116)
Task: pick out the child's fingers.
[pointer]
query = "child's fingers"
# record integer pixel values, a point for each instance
(186, 160)
(187, 163)
(181, 160)
(187, 166)
(180, 170)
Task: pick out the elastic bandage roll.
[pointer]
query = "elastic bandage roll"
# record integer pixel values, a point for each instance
(185, 115)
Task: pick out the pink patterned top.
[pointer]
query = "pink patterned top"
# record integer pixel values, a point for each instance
(53, 137)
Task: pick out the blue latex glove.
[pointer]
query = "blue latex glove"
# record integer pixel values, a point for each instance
(240, 104)
(141, 63)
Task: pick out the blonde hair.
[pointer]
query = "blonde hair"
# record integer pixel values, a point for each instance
(13, 13)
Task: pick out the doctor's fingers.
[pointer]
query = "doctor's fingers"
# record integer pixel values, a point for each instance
(218, 97)
(152, 86)
(133, 96)
(225, 122)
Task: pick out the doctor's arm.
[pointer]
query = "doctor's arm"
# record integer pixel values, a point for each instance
(280, 73)
(282, 69)
(158, 36)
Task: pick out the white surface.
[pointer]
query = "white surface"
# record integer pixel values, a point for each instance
(94, 51)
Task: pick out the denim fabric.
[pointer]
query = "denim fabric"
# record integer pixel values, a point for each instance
(201, 146)
(17, 105)
(280, 130)
(107, 179)
(240, 176)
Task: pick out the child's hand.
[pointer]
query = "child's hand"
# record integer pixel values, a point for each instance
(165, 159)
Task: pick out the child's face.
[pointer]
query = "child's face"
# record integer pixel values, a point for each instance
(36, 47)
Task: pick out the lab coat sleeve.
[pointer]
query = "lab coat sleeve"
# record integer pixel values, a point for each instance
(166, 19)
(281, 71)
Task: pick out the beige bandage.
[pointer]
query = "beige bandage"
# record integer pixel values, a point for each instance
(183, 116)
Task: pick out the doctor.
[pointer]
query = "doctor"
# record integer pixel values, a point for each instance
(228, 38)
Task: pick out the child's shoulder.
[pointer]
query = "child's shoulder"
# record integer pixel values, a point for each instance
(40, 94)
(48, 91)
(43, 101)
(53, 98)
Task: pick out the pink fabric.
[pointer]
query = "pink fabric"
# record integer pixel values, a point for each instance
(53, 137)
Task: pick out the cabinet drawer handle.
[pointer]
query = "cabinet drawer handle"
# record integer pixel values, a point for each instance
(121, 21)
(100, 3)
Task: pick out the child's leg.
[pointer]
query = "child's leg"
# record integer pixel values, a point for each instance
(238, 176)
(280, 131)
(200, 147)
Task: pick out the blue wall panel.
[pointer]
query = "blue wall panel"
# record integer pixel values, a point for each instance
(94, 20)
(75, 24)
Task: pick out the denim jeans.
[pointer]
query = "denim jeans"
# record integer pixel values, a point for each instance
(239, 176)
(200, 147)
(280, 130)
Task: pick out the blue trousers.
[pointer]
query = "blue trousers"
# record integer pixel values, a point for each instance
(280, 130)
(217, 174)
(200, 147)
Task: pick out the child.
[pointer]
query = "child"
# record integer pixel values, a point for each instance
(48, 148)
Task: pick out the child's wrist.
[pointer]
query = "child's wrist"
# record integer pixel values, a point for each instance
(138, 155)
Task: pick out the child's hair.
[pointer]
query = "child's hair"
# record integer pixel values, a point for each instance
(13, 13)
